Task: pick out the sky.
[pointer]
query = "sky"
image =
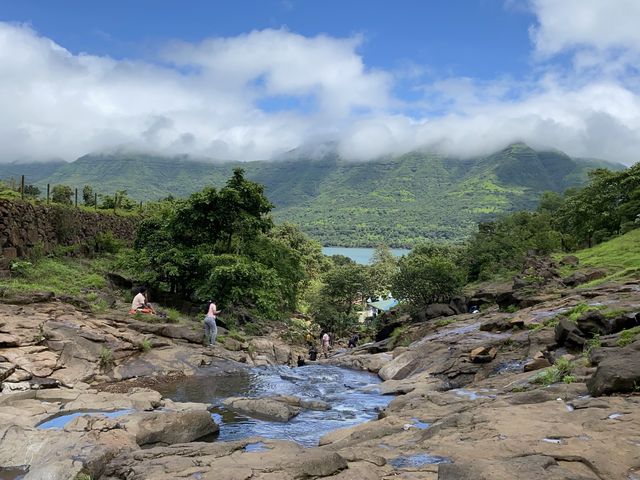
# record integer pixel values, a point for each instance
(253, 80)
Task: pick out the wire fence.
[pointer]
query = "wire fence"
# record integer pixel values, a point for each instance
(69, 196)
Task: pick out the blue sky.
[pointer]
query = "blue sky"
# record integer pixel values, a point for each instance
(252, 79)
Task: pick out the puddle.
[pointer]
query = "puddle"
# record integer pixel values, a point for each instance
(509, 367)
(557, 441)
(418, 460)
(255, 447)
(13, 473)
(471, 394)
(63, 418)
(420, 425)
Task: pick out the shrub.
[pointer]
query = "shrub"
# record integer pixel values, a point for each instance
(106, 358)
(21, 268)
(560, 371)
(145, 345)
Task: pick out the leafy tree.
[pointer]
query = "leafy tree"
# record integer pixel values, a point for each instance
(31, 191)
(118, 201)
(62, 194)
(427, 278)
(88, 196)
(382, 270)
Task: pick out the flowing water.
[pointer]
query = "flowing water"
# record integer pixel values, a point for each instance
(340, 387)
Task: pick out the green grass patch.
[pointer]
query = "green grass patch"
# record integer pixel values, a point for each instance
(145, 345)
(560, 371)
(443, 322)
(628, 336)
(63, 276)
(576, 312)
(106, 358)
(398, 338)
(620, 257)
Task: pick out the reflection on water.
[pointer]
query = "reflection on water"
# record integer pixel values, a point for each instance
(61, 419)
(340, 387)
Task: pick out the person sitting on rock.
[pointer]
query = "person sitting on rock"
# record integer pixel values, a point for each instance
(353, 341)
(140, 304)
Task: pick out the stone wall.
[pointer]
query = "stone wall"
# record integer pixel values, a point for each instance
(26, 228)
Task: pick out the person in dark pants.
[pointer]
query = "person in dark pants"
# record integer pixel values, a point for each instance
(353, 341)
(301, 362)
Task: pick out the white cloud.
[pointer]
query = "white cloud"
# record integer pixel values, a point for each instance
(258, 95)
(593, 24)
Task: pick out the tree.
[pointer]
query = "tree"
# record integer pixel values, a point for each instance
(88, 196)
(62, 194)
(31, 191)
(382, 270)
(423, 279)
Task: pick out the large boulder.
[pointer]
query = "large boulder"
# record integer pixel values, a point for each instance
(169, 427)
(578, 278)
(271, 408)
(618, 371)
(567, 333)
(400, 367)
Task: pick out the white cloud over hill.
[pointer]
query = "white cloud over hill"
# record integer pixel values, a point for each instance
(258, 95)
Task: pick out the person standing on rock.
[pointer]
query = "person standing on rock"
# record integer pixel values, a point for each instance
(210, 327)
(326, 339)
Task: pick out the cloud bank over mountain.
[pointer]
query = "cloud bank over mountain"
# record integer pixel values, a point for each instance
(258, 95)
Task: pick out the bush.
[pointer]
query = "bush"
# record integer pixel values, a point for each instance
(21, 268)
(105, 242)
(560, 371)
(106, 358)
(145, 345)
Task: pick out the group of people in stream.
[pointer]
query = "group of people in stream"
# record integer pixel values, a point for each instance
(141, 305)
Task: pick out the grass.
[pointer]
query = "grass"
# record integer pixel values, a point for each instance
(591, 344)
(106, 358)
(63, 276)
(145, 345)
(620, 257)
(398, 338)
(443, 322)
(628, 336)
(560, 371)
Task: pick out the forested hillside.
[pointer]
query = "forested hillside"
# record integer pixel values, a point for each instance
(398, 200)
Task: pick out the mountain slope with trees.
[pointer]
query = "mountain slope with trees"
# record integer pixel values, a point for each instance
(396, 200)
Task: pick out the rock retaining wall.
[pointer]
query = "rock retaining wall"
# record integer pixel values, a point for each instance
(25, 228)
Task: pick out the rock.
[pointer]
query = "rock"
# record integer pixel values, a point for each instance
(536, 364)
(617, 372)
(459, 305)
(168, 428)
(266, 407)
(570, 260)
(483, 354)
(623, 322)
(400, 367)
(578, 278)
(592, 323)
(435, 310)
(7, 340)
(567, 333)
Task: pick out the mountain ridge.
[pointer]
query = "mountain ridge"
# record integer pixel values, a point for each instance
(396, 200)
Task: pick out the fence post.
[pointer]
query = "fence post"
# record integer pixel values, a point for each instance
(76, 197)
(22, 187)
(95, 200)
(48, 189)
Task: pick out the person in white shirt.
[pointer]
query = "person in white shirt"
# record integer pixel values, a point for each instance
(140, 304)
(210, 327)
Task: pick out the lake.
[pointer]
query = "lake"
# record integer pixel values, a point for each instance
(360, 255)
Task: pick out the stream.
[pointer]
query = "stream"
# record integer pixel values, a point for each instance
(340, 387)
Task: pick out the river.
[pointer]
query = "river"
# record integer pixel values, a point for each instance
(360, 255)
(340, 387)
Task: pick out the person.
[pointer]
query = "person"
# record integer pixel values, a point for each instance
(353, 341)
(325, 344)
(309, 339)
(313, 353)
(210, 327)
(140, 304)
(301, 362)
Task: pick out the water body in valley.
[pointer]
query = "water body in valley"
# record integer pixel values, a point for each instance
(360, 255)
(340, 387)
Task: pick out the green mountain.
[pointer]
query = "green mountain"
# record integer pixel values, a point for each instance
(397, 200)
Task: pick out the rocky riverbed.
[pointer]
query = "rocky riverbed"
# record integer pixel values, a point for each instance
(461, 405)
